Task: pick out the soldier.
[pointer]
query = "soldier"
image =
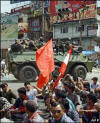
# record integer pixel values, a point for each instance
(32, 45)
(40, 42)
(59, 46)
(76, 48)
(16, 46)
(24, 43)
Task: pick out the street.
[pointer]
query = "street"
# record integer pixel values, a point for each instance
(15, 84)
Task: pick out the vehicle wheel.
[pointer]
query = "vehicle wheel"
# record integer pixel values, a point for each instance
(28, 74)
(79, 71)
(16, 74)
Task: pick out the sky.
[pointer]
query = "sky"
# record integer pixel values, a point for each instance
(6, 6)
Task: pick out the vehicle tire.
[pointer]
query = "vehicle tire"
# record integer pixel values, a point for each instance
(28, 74)
(79, 71)
(16, 74)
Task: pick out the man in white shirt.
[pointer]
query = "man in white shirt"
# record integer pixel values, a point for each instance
(31, 93)
(95, 84)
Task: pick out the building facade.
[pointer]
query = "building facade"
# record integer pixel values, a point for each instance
(81, 26)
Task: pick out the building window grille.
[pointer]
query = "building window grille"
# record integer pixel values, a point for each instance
(64, 29)
(91, 27)
(79, 28)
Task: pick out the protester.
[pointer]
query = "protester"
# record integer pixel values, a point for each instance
(95, 84)
(18, 109)
(30, 92)
(70, 87)
(4, 108)
(59, 115)
(73, 114)
(31, 110)
(8, 94)
(86, 113)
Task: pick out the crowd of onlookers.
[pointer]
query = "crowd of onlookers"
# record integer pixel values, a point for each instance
(70, 101)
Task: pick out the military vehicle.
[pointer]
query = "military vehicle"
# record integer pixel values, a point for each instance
(23, 66)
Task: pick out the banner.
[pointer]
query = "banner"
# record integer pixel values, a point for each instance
(78, 10)
(9, 27)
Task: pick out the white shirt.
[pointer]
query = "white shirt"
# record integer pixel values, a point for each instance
(2, 63)
(94, 86)
(32, 94)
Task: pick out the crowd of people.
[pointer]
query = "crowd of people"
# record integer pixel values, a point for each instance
(70, 101)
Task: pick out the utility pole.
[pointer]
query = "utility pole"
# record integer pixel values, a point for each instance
(80, 33)
(43, 20)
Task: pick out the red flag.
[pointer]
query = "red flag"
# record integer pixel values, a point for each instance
(63, 67)
(45, 63)
(45, 59)
(65, 63)
(42, 81)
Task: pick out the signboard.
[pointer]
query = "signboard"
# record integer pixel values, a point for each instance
(73, 5)
(16, 1)
(77, 11)
(9, 27)
(20, 8)
(92, 30)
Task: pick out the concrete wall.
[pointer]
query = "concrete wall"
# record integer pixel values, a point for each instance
(72, 29)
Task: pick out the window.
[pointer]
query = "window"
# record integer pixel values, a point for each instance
(80, 28)
(92, 27)
(64, 29)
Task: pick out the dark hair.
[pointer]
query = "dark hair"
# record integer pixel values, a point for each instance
(60, 94)
(3, 85)
(95, 78)
(31, 106)
(70, 86)
(92, 97)
(46, 96)
(65, 104)
(53, 104)
(26, 83)
(22, 90)
(87, 85)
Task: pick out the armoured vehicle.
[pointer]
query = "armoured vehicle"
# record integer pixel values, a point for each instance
(23, 66)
